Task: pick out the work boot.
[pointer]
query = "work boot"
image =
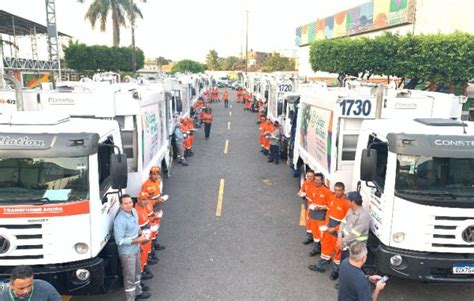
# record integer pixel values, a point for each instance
(316, 250)
(184, 163)
(308, 240)
(159, 247)
(144, 295)
(146, 276)
(151, 261)
(334, 275)
(191, 152)
(145, 288)
(316, 268)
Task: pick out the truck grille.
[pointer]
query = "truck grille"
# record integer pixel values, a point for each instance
(446, 232)
(29, 242)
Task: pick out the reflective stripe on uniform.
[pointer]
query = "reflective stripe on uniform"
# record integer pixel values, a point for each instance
(325, 257)
(355, 232)
(130, 289)
(362, 238)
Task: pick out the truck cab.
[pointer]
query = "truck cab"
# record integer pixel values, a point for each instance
(60, 180)
(416, 178)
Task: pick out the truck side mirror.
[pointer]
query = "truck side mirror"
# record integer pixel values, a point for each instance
(368, 165)
(119, 171)
(179, 105)
(280, 108)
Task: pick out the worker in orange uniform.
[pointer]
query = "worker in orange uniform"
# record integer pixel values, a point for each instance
(239, 95)
(191, 130)
(263, 120)
(318, 200)
(153, 187)
(184, 127)
(144, 223)
(267, 131)
(197, 108)
(207, 119)
(247, 102)
(306, 187)
(226, 99)
(337, 209)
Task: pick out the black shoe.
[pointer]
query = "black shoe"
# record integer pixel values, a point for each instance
(144, 295)
(184, 164)
(153, 255)
(146, 276)
(159, 247)
(145, 288)
(151, 261)
(314, 252)
(316, 268)
(307, 241)
(270, 161)
(334, 275)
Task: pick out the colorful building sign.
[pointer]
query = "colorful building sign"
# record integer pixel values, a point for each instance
(373, 15)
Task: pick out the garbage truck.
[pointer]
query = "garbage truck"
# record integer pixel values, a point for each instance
(411, 158)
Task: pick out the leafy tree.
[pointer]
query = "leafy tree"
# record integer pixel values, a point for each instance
(185, 66)
(162, 61)
(99, 10)
(212, 60)
(278, 63)
(82, 57)
(232, 63)
(443, 60)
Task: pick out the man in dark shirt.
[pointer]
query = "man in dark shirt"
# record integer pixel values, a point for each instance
(354, 284)
(22, 286)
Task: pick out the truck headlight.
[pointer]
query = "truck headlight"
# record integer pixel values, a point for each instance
(396, 260)
(83, 274)
(398, 237)
(81, 248)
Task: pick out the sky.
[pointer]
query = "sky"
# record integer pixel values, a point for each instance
(179, 29)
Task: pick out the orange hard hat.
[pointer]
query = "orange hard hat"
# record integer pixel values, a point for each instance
(143, 195)
(155, 169)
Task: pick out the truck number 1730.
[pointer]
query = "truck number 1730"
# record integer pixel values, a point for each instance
(356, 107)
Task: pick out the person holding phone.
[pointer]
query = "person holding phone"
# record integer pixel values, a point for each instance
(354, 284)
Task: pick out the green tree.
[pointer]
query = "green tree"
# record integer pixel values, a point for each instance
(232, 63)
(185, 66)
(212, 60)
(99, 10)
(82, 57)
(278, 63)
(162, 61)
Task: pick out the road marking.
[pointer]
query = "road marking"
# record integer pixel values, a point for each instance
(302, 216)
(226, 146)
(220, 197)
(228, 125)
(230, 113)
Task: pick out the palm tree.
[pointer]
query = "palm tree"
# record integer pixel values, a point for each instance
(100, 9)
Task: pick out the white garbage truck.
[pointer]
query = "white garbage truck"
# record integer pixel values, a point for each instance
(411, 158)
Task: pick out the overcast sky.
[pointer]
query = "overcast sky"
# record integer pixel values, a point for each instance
(179, 29)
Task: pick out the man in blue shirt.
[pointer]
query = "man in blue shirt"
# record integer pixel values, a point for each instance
(128, 238)
(22, 286)
(354, 284)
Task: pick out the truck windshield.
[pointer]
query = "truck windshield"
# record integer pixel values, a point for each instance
(436, 179)
(39, 180)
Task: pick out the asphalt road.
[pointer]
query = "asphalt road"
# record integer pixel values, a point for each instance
(253, 251)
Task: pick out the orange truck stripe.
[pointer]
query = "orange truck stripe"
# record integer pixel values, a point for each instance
(46, 210)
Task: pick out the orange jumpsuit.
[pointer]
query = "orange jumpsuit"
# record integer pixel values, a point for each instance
(337, 210)
(152, 188)
(239, 95)
(318, 196)
(144, 223)
(191, 131)
(184, 127)
(306, 188)
(267, 128)
(225, 96)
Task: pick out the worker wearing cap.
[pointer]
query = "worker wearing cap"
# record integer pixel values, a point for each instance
(275, 137)
(185, 129)
(152, 187)
(337, 209)
(207, 119)
(354, 227)
(318, 200)
(306, 187)
(267, 128)
(144, 223)
(191, 130)
(261, 138)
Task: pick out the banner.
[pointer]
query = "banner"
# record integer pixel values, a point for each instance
(316, 134)
(373, 15)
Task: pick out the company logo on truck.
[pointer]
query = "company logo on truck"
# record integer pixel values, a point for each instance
(21, 142)
(468, 234)
(4, 244)
(460, 143)
(60, 101)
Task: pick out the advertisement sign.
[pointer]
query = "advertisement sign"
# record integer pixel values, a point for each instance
(151, 133)
(316, 133)
(373, 15)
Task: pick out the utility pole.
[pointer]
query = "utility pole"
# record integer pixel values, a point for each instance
(246, 42)
(53, 40)
(132, 21)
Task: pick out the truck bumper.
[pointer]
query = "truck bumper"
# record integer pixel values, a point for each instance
(63, 276)
(423, 266)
